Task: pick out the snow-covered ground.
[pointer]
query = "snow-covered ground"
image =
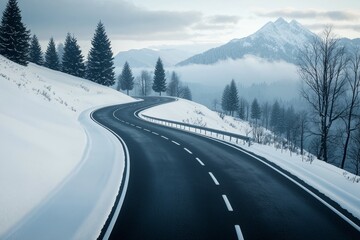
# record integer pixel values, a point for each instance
(43, 141)
(328, 179)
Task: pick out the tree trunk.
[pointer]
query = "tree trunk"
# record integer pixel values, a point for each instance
(345, 150)
(127, 92)
(348, 135)
(302, 140)
(160, 93)
(324, 146)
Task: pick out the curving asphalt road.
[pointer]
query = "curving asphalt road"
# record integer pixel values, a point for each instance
(184, 186)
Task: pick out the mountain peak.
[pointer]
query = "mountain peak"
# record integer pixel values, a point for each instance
(280, 21)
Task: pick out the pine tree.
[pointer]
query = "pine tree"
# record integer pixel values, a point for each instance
(277, 118)
(14, 37)
(242, 108)
(159, 83)
(255, 110)
(186, 93)
(225, 99)
(233, 98)
(73, 60)
(126, 79)
(35, 54)
(51, 57)
(100, 66)
(174, 87)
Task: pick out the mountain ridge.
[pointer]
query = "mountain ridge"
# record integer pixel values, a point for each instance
(274, 41)
(147, 57)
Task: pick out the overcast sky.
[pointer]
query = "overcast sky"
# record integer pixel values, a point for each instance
(144, 23)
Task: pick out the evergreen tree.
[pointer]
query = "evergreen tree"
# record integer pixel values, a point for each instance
(73, 60)
(255, 110)
(225, 99)
(174, 87)
(14, 37)
(289, 123)
(186, 93)
(126, 79)
(51, 57)
(100, 66)
(159, 83)
(35, 54)
(233, 98)
(242, 108)
(277, 118)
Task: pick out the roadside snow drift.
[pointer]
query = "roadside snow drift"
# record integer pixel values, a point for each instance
(42, 141)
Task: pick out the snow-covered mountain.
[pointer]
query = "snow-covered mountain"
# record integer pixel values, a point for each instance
(277, 40)
(146, 58)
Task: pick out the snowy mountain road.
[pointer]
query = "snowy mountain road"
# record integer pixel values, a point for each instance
(184, 186)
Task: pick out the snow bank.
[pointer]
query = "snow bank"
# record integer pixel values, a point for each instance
(192, 113)
(42, 141)
(324, 177)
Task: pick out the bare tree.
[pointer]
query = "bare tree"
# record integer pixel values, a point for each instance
(355, 152)
(215, 103)
(353, 79)
(145, 82)
(322, 67)
(303, 120)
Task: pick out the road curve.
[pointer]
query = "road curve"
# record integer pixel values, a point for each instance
(184, 186)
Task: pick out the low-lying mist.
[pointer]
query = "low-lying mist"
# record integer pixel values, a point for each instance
(255, 77)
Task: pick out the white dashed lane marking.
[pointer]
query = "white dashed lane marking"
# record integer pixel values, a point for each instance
(176, 143)
(227, 203)
(239, 233)
(214, 179)
(200, 161)
(155, 133)
(164, 137)
(188, 150)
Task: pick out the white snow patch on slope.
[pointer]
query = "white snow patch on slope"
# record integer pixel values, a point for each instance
(325, 177)
(42, 141)
(192, 113)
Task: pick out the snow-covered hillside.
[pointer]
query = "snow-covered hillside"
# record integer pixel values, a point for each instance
(41, 139)
(334, 182)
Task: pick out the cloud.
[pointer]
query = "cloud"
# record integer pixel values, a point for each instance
(217, 23)
(55, 18)
(321, 26)
(221, 19)
(310, 14)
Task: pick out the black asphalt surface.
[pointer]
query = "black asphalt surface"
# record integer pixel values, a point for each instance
(171, 195)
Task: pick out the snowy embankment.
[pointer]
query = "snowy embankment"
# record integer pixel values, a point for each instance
(328, 179)
(47, 147)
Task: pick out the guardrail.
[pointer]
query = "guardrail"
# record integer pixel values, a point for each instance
(232, 137)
